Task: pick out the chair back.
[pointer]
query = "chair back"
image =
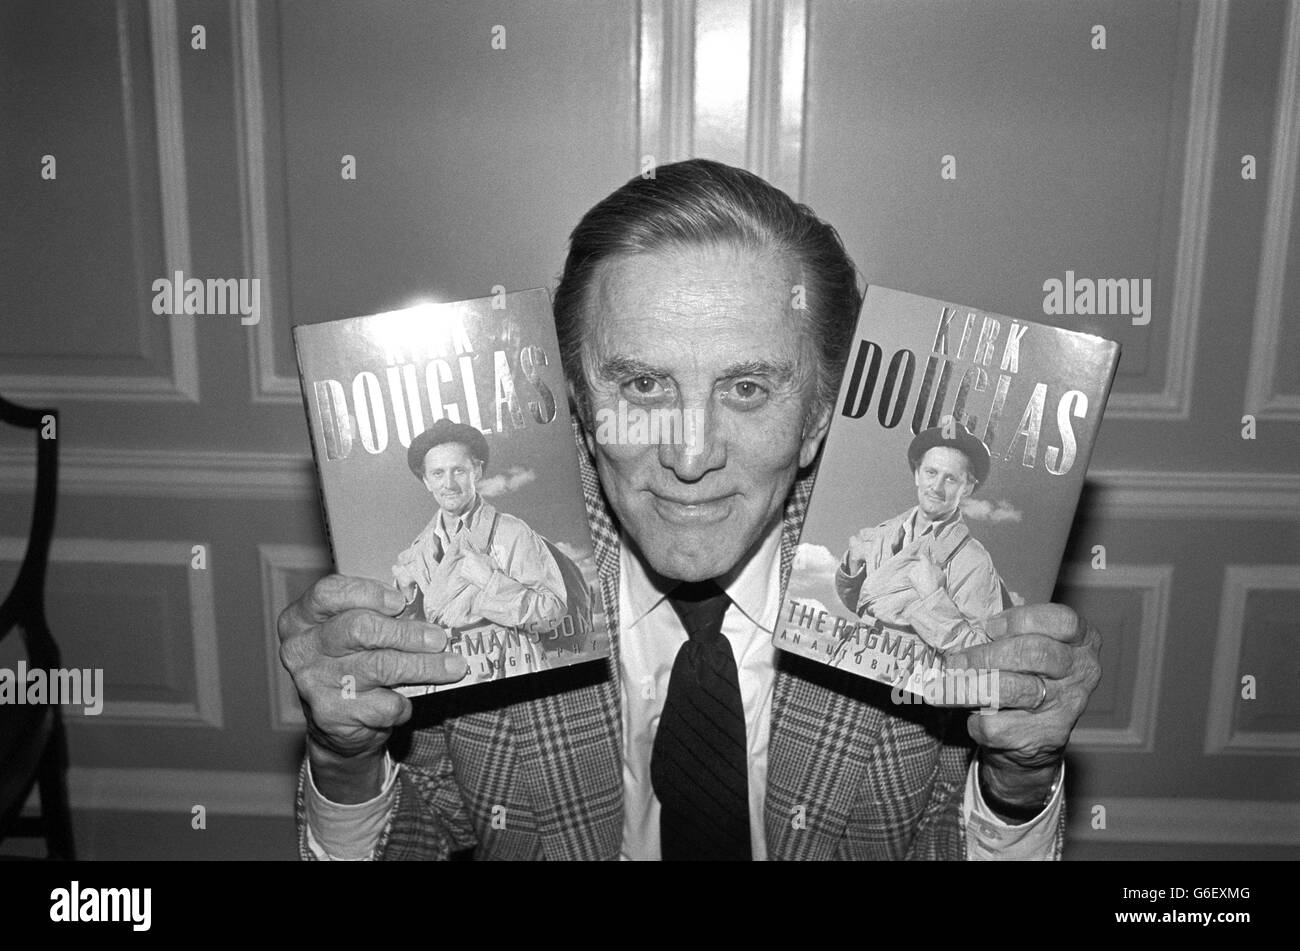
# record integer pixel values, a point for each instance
(24, 607)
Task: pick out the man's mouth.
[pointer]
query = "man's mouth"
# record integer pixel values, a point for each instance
(691, 512)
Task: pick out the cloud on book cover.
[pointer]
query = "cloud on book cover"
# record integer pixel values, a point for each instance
(982, 510)
(515, 477)
(813, 572)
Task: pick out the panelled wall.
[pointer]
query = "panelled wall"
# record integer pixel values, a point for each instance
(472, 163)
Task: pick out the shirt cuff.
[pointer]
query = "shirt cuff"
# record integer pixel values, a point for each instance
(989, 837)
(348, 833)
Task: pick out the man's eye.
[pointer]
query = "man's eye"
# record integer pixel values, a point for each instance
(748, 392)
(643, 387)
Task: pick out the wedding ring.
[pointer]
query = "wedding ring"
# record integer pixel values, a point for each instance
(1042, 692)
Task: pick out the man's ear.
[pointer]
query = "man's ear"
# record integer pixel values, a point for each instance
(814, 431)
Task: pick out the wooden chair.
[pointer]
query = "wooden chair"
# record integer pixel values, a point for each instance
(33, 748)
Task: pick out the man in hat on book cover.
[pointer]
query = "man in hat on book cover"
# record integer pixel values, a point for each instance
(922, 570)
(472, 563)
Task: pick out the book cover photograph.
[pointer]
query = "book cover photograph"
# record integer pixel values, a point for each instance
(447, 468)
(947, 486)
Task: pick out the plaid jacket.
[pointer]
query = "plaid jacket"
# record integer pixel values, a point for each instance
(531, 768)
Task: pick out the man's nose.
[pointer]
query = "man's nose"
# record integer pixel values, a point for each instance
(699, 445)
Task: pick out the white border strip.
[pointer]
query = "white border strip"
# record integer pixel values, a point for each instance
(178, 791)
(250, 136)
(1192, 821)
(204, 474)
(1172, 821)
(1208, 55)
(1262, 398)
(1137, 494)
(180, 474)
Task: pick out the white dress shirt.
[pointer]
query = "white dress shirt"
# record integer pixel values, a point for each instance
(650, 635)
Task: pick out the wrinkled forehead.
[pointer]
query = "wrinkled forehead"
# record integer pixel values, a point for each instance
(697, 303)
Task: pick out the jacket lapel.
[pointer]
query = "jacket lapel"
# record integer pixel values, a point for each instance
(570, 741)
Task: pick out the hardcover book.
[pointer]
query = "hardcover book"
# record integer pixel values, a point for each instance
(447, 469)
(947, 486)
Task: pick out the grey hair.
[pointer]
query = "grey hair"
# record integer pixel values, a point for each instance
(701, 202)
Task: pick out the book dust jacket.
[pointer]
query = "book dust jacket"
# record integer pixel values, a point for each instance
(447, 468)
(947, 486)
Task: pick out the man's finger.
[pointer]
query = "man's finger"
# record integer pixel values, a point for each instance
(391, 668)
(383, 709)
(1022, 692)
(355, 631)
(334, 594)
(1053, 620)
(1026, 653)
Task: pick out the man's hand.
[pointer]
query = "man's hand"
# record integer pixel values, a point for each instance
(1022, 744)
(476, 567)
(344, 649)
(925, 576)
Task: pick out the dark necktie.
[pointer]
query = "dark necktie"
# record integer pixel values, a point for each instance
(699, 766)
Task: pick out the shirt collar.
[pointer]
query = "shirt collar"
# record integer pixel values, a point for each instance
(747, 585)
(936, 528)
(469, 518)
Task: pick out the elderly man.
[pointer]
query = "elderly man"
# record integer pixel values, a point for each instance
(922, 571)
(677, 292)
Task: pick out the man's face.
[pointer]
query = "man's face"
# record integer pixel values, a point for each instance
(943, 482)
(451, 474)
(707, 332)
